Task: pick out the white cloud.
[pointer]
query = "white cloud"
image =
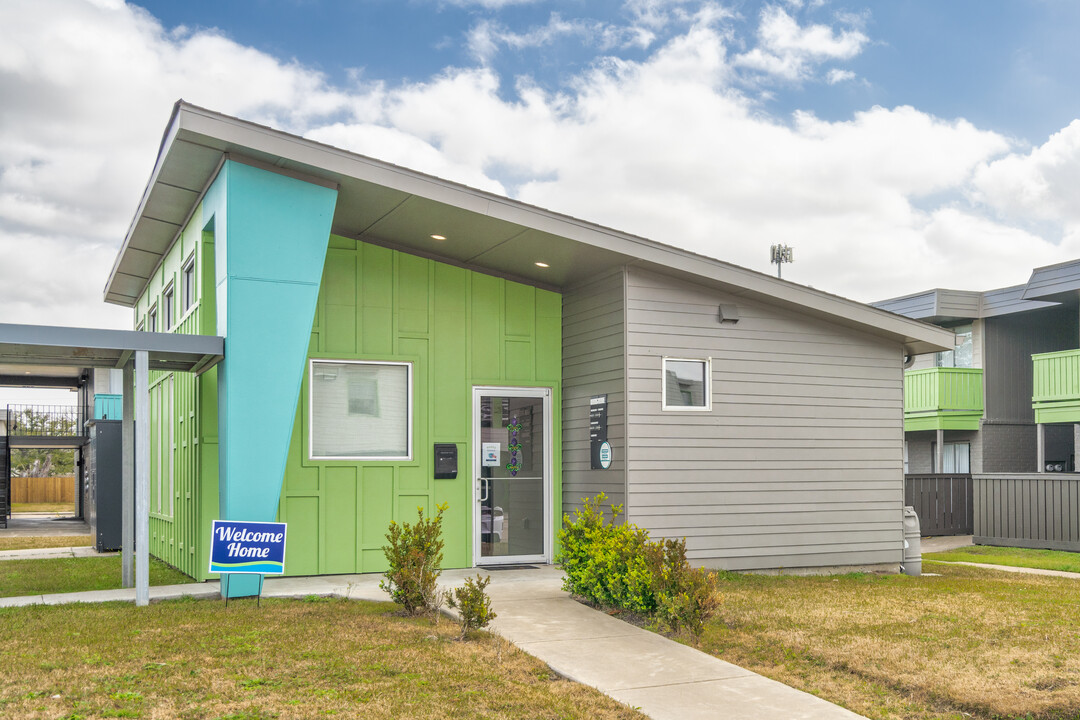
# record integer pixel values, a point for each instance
(790, 51)
(668, 147)
(836, 75)
(1042, 184)
(487, 37)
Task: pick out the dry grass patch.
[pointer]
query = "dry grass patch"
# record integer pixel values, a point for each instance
(971, 643)
(41, 542)
(44, 507)
(195, 659)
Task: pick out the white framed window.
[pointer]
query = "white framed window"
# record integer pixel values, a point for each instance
(955, 458)
(360, 410)
(187, 284)
(168, 308)
(687, 384)
(151, 319)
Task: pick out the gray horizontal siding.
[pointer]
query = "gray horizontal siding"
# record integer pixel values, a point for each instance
(1053, 280)
(800, 462)
(1005, 301)
(958, 303)
(912, 306)
(593, 364)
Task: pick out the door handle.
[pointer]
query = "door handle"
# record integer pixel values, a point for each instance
(485, 489)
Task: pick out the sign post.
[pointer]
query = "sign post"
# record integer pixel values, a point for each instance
(246, 548)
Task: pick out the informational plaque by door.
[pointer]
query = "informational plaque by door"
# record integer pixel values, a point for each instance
(598, 433)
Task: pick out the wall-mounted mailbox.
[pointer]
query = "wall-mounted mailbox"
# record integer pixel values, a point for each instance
(445, 461)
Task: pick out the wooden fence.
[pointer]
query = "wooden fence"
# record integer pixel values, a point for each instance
(942, 502)
(43, 489)
(1028, 510)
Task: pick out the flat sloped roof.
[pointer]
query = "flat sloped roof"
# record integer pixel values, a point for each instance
(386, 204)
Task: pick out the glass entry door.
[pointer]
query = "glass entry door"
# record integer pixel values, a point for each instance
(512, 471)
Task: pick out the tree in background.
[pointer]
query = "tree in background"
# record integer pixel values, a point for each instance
(43, 421)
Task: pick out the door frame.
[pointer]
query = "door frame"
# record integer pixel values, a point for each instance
(545, 394)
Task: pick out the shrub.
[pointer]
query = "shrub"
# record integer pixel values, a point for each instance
(415, 556)
(618, 566)
(685, 597)
(473, 603)
(605, 563)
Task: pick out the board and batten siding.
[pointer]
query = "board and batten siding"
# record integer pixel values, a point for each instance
(800, 462)
(593, 364)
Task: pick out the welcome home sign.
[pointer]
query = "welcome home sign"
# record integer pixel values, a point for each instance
(247, 547)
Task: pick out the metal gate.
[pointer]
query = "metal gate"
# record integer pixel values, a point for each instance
(942, 502)
(5, 481)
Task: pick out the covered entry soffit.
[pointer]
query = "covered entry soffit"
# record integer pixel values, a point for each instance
(390, 205)
(61, 352)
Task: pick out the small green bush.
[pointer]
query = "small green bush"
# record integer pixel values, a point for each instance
(415, 554)
(618, 566)
(473, 603)
(685, 597)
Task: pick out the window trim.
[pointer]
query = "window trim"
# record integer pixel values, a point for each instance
(707, 407)
(411, 416)
(168, 305)
(187, 295)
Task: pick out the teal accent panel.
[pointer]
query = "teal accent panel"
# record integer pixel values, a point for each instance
(108, 407)
(270, 249)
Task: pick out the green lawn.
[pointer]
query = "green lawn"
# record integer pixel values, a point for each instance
(971, 644)
(195, 659)
(1016, 557)
(63, 575)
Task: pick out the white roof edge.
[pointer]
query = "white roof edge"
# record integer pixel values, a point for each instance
(328, 161)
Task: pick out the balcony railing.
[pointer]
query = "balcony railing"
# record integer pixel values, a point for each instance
(943, 399)
(1055, 392)
(44, 420)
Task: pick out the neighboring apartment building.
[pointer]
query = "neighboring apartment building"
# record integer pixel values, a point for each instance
(1007, 397)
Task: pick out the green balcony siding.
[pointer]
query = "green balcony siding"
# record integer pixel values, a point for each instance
(943, 399)
(1055, 395)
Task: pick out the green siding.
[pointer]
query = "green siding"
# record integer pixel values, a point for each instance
(1055, 393)
(180, 537)
(459, 328)
(943, 399)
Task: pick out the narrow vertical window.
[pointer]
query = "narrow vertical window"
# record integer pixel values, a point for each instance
(151, 320)
(187, 285)
(168, 308)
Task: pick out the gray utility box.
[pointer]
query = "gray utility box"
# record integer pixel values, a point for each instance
(912, 543)
(103, 490)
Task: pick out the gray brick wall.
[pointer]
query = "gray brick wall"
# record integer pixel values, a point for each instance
(1009, 447)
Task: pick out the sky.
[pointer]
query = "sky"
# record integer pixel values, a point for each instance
(896, 146)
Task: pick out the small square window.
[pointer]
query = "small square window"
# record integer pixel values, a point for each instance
(187, 284)
(687, 384)
(360, 410)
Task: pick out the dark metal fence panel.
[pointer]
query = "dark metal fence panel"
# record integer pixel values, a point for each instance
(942, 502)
(1034, 510)
(5, 482)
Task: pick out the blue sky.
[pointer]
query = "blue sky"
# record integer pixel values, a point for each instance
(896, 145)
(1005, 65)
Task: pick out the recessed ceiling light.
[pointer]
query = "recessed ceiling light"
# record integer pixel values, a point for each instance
(540, 264)
(438, 237)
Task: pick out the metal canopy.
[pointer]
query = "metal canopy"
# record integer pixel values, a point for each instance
(48, 351)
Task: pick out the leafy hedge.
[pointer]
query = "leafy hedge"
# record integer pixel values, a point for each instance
(618, 566)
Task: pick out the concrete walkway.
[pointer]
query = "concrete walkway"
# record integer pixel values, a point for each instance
(662, 678)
